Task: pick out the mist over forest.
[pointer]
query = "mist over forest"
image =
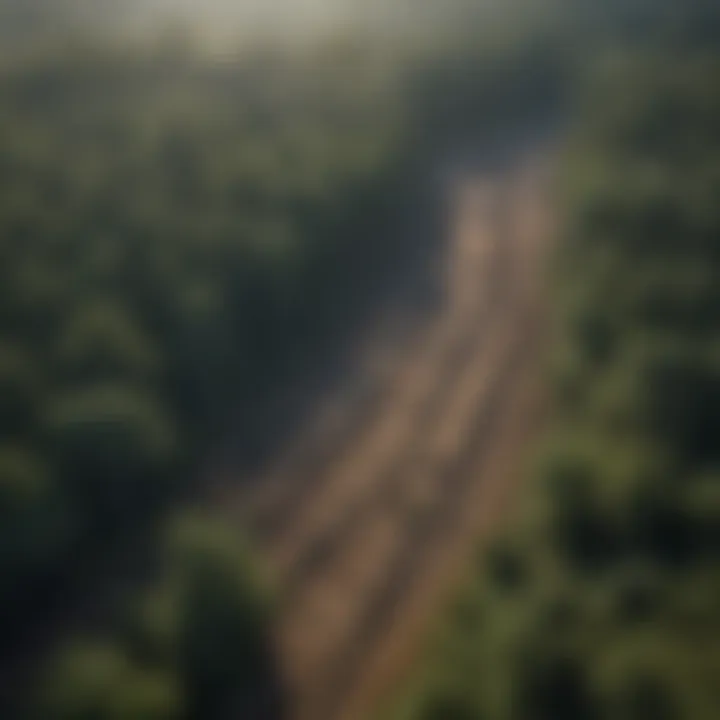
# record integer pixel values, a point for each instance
(227, 20)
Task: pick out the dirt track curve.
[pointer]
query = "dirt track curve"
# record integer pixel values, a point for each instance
(370, 515)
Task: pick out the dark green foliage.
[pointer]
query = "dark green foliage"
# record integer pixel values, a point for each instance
(35, 527)
(196, 644)
(20, 391)
(114, 448)
(172, 229)
(208, 618)
(178, 236)
(93, 681)
(101, 343)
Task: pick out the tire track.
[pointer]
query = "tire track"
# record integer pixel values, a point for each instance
(384, 535)
(454, 482)
(361, 512)
(392, 426)
(377, 616)
(331, 437)
(378, 562)
(453, 390)
(386, 649)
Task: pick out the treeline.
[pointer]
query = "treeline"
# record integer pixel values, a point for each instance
(176, 233)
(603, 601)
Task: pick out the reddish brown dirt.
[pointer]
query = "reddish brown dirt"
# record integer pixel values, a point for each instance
(370, 517)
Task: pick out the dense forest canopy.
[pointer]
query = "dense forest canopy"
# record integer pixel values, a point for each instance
(178, 235)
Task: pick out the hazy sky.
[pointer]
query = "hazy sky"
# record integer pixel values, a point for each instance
(281, 17)
(244, 18)
(286, 13)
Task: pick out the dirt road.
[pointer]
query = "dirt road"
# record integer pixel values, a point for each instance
(370, 516)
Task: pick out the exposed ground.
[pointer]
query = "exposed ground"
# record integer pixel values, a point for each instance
(369, 515)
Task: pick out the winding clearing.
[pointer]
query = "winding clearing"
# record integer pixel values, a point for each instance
(371, 514)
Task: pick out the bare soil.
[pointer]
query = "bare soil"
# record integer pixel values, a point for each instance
(372, 513)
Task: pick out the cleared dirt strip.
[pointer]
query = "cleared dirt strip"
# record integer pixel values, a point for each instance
(370, 515)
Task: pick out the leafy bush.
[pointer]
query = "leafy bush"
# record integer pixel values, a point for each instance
(93, 681)
(208, 617)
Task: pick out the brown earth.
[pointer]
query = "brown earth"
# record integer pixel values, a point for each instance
(370, 516)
